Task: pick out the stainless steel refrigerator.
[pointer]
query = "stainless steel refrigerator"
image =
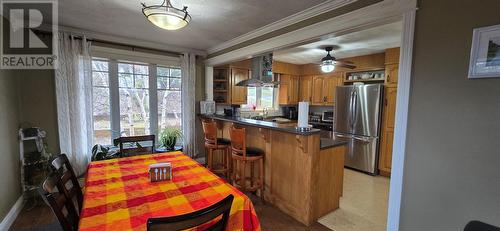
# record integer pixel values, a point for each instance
(357, 120)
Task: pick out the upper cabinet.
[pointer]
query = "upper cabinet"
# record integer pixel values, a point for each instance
(289, 89)
(305, 88)
(225, 79)
(238, 94)
(323, 88)
(391, 66)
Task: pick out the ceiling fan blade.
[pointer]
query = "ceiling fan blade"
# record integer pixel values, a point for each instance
(345, 65)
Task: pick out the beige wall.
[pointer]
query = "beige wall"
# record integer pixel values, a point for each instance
(38, 103)
(10, 188)
(452, 166)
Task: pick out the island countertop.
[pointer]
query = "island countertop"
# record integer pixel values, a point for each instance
(303, 173)
(288, 127)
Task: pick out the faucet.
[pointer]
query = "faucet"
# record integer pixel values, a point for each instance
(265, 112)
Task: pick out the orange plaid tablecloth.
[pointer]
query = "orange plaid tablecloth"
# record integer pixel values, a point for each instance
(119, 196)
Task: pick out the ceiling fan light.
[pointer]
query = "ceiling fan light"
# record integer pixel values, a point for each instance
(327, 66)
(166, 16)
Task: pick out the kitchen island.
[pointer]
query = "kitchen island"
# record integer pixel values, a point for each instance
(303, 173)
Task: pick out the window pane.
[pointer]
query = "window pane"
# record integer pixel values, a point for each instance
(163, 71)
(175, 83)
(126, 80)
(175, 73)
(100, 79)
(169, 109)
(141, 69)
(251, 96)
(141, 81)
(125, 68)
(162, 83)
(267, 97)
(101, 111)
(99, 65)
(134, 112)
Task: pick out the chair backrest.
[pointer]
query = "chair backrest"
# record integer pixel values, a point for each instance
(69, 182)
(195, 219)
(238, 140)
(210, 131)
(480, 226)
(61, 205)
(132, 149)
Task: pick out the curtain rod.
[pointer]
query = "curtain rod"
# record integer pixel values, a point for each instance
(132, 47)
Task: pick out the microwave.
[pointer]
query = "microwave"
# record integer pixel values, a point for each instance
(327, 116)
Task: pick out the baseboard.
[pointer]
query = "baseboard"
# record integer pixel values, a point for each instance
(9, 219)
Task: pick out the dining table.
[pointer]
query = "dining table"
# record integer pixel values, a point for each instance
(118, 193)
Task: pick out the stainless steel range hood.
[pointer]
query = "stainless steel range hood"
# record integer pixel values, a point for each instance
(262, 74)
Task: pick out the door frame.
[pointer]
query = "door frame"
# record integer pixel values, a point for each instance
(385, 12)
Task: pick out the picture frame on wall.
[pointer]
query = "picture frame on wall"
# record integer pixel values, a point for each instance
(485, 53)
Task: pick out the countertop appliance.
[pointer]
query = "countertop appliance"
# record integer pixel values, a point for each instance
(290, 113)
(207, 107)
(327, 116)
(357, 120)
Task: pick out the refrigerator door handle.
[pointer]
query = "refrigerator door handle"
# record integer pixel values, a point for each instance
(362, 139)
(358, 138)
(353, 108)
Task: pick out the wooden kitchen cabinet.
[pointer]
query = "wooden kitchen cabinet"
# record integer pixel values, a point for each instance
(238, 94)
(289, 89)
(305, 88)
(317, 90)
(323, 89)
(386, 140)
(391, 74)
(385, 159)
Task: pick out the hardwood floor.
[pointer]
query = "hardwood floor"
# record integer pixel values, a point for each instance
(363, 207)
(41, 218)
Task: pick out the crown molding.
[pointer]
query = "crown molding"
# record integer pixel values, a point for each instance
(130, 41)
(290, 20)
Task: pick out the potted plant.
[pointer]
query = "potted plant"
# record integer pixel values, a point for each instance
(168, 137)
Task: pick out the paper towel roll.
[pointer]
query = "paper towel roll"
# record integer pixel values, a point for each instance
(303, 115)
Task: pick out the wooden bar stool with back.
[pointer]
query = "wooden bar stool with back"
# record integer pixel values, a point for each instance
(242, 155)
(212, 143)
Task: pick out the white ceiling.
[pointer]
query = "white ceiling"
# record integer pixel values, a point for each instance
(213, 21)
(371, 41)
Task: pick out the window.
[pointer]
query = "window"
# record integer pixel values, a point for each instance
(133, 82)
(129, 113)
(169, 97)
(101, 110)
(261, 97)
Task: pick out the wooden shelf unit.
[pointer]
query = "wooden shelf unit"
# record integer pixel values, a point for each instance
(221, 85)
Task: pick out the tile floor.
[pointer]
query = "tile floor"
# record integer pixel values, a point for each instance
(363, 206)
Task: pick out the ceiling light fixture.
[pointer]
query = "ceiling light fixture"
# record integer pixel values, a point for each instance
(166, 16)
(328, 62)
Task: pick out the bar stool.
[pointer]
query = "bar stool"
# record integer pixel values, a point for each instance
(212, 143)
(241, 154)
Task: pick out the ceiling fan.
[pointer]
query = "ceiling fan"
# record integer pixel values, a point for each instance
(328, 63)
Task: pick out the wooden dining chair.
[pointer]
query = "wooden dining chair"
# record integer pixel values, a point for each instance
(195, 219)
(60, 204)
(69, 182)
(480, 226)
(128, 145)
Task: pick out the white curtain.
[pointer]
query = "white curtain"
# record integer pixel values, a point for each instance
(188, 65)
(74, 94)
